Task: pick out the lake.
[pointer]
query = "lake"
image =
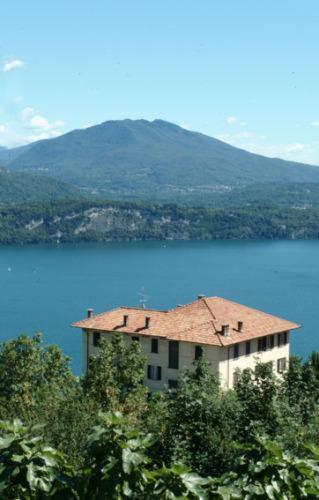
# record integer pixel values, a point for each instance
(46, 288)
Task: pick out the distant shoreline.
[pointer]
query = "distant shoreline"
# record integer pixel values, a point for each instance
(106, 221)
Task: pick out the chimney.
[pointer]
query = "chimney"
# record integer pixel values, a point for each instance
(147, 321)
(125, 319)
(240, 326)
(90, 313)
(200, 296)
(225, 330)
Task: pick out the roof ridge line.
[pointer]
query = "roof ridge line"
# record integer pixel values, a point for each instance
(136, 308)
(256, 310)
(209, 308)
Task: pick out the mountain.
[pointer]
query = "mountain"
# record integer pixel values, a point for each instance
(158, 161)
(8, 155)
(21, 187)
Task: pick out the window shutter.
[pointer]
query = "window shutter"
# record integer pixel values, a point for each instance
(96, 338)
(148, 371)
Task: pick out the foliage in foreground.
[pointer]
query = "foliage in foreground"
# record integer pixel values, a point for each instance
(118, 465)
(104, 436)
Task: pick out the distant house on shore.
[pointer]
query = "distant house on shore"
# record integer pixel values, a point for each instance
(229, 335)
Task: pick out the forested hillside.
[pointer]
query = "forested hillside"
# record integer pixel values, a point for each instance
(75, 221)
(21, 187)
(142, 160)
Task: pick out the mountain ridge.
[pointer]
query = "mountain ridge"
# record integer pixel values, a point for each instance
(151, 160)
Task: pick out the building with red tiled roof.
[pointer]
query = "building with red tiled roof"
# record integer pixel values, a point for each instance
(230, 335)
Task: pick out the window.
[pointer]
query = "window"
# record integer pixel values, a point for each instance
(137, 339)
(173, 348)
(281, 365)
(154, 372)
(236, 376)
(198, 352)
(283, 338)
(248, 348)
(236, 350)
(271, 341)
(172, 384)
(262, 344)
(96, 338)
(154, 345)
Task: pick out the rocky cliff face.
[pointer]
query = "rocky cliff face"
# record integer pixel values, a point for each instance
(108, 221)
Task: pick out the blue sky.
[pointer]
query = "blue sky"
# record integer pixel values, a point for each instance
(246, 72)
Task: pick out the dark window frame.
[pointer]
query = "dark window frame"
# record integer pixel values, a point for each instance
(172, 384)
(158, 372)
(283, 338)
(281, 361)
(173, 354)
(262, 344)
(154, 346)
(96, 339)
(135, 338)
(271, 341)
(248, 348)
(236, 351)
(198, 352)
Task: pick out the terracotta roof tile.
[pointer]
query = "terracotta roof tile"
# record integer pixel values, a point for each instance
(199, 322)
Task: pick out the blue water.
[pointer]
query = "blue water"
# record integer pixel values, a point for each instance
(46, 288)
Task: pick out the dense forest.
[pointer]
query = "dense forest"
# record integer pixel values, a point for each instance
(21, 187)
(77, 221)
(103, 435)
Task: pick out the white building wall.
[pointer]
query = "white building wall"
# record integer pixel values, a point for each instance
(229, 364)
(221, 359)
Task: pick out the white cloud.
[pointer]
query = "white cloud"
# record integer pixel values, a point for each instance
(2, 129)
(294, 148)
(231, 120)
(315, 123)
(27, 112)
(13, 64)
(40, 126)
(38, 122)
(39, 136)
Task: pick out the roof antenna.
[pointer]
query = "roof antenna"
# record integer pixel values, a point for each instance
(142, 297)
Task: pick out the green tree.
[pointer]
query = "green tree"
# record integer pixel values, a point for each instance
(256, 391)
(27, 369)
(115, 375)
(202, 422)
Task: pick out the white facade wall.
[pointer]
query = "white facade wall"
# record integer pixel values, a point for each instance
(221, 359)
(228, 366)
